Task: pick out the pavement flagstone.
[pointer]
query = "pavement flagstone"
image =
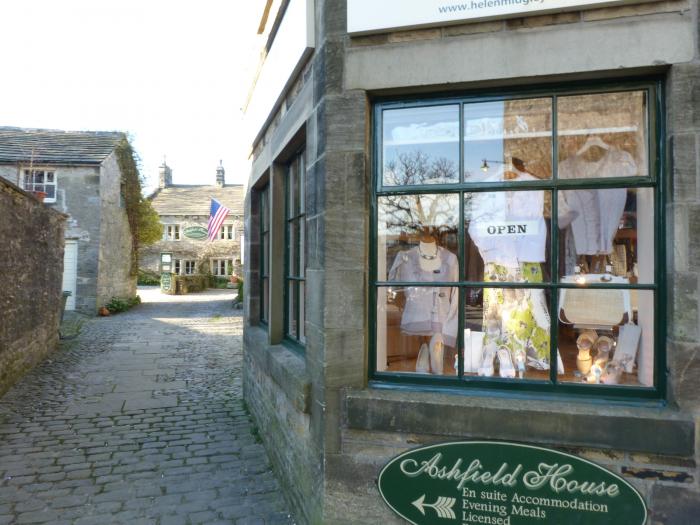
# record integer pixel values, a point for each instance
(139, 420)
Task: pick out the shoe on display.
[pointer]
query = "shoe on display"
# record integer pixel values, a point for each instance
(520, 359)
(604, 346)
(437, 351)
(486, 368)
(423, 361)
(505, 362)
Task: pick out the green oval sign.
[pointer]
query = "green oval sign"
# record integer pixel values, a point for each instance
(195, 232)
(497, 483)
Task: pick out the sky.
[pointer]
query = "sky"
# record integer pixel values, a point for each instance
(173, 74)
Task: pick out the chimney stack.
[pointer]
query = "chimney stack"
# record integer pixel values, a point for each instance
(165, 176)
(220, 179)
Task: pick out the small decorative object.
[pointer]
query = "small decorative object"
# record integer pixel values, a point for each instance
(103, 312)
(584, 343)
(613, 373)
(595, 374)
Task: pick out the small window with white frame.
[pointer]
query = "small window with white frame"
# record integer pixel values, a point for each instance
(189, 267)
(177, 267)
(227, 232)
(40, 180)
(171, 232)
(221, 267)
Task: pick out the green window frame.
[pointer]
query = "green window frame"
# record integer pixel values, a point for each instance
(651, 180)
(264, 269)
(295, 251)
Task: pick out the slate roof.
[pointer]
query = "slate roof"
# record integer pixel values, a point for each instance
(180, 199)
(50, 146)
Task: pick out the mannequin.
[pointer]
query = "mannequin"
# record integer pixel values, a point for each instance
(509, 229)
(429, 311)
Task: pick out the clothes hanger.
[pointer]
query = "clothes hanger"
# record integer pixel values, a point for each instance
(593, 141)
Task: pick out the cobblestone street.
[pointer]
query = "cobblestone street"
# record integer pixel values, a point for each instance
(140, 419)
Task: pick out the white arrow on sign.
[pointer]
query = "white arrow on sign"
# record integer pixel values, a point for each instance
(443, 506)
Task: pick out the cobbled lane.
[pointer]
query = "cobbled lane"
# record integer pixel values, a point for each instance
(139, 420)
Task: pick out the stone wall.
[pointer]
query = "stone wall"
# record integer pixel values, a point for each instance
(114, 277)
(31, 235)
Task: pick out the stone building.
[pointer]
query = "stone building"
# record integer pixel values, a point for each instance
(32, 238)
(79, 174)
(184, 213)
(475, 221)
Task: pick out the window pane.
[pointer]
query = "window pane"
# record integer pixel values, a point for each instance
(302, 246)
(38, 177)
(607, 336)
(293, 191)
(421, 146)
(417, 238)
(264, 300)
(291, 309)
(265, 210)
(417, 329)
(302, 181)
(507, 333)
(49, 176)
(508, 140)
(266, 255)
(302, 311)
(606, 233)
(293, 241)
(50, 190)
(603, 135)
(507, 236)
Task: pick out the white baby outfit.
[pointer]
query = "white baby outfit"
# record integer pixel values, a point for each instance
(597, 211)
(428, 310)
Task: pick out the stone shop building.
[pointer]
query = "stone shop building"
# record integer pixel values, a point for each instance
(184, 213)
(79, 174)
(475, 221)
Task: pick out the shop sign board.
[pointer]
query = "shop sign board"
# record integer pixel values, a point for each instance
(166, 281)
(500, 483)
(195, 232)
(370, 16)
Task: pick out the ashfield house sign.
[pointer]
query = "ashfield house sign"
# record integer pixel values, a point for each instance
(369, 16)
(498, 483)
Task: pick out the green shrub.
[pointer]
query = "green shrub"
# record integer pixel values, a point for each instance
(148, 278)
(117, 304)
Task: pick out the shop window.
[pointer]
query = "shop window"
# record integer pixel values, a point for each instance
(171, 232)
(227, 232)
(41, 181)
(295, 280)
(515, 242)
(264, 269)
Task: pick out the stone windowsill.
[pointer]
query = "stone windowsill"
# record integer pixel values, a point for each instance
(284, 366)
(661, 430)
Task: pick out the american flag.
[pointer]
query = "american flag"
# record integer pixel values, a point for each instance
(217, 214)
